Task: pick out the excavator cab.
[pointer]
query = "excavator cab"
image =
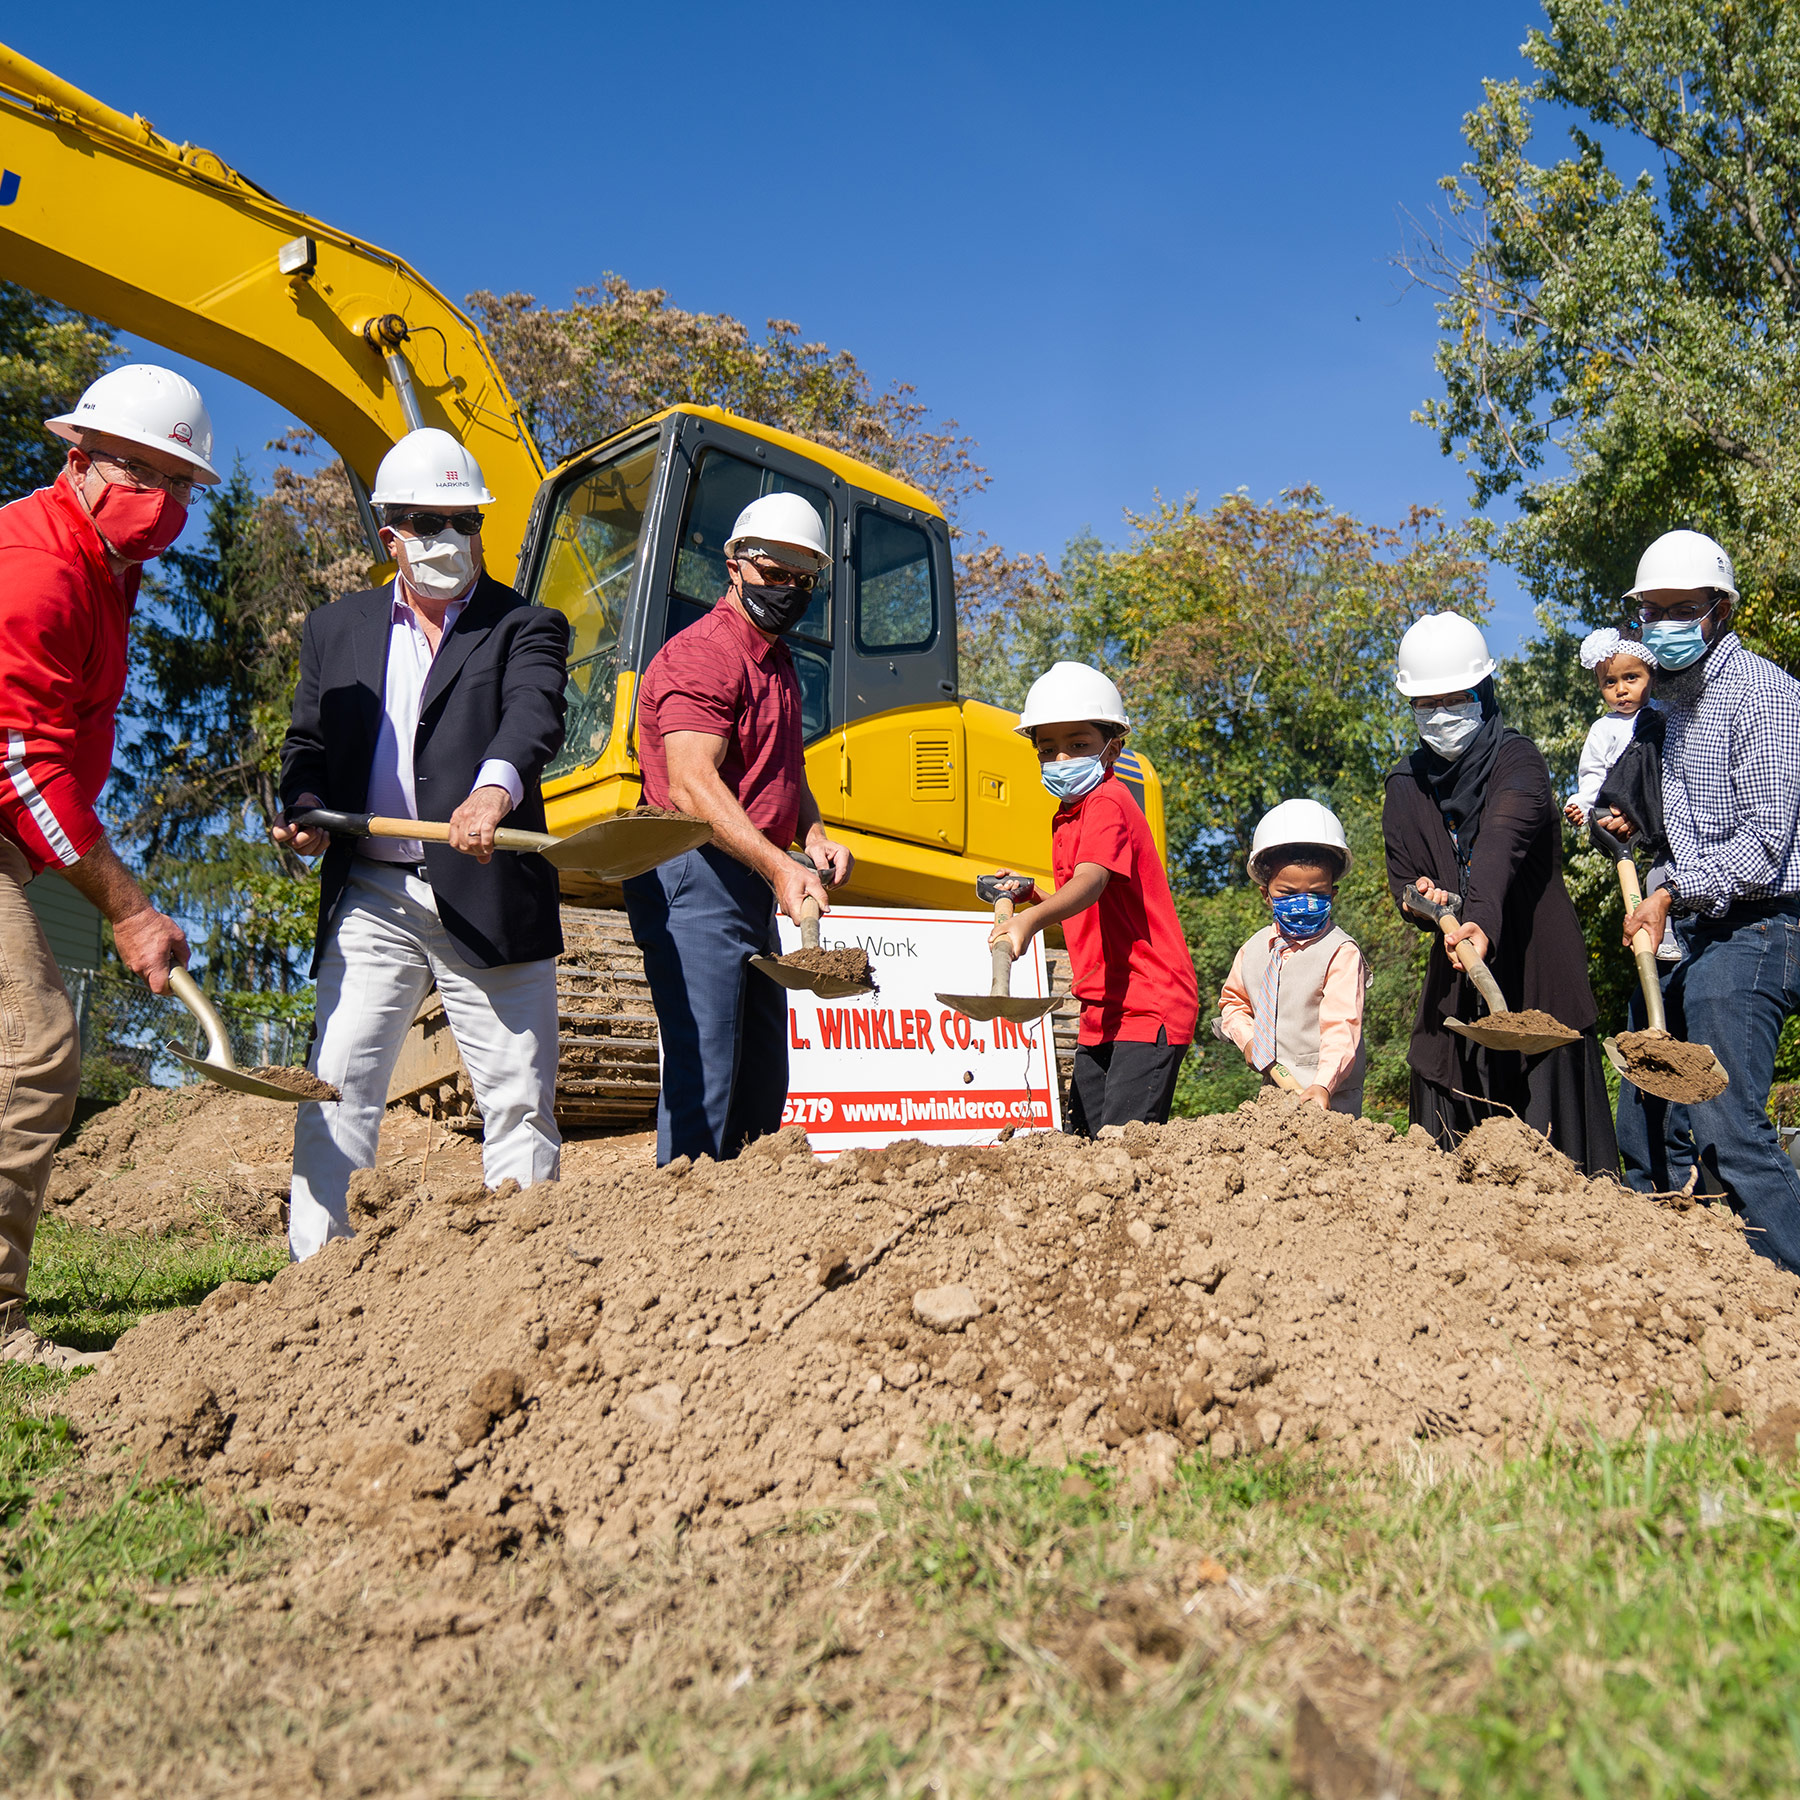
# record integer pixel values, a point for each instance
(628, 540)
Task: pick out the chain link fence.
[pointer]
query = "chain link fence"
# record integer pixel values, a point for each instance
(126, 1031)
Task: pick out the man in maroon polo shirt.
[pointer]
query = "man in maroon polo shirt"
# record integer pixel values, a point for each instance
(719, 738)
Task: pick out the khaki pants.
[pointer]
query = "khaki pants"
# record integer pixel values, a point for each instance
(40, 1069)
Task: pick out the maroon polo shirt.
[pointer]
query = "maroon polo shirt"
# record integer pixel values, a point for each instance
(723, 677)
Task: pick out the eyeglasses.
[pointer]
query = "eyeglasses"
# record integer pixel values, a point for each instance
(429, 524)
(142, 475)
(1683, 612)
(779, 575)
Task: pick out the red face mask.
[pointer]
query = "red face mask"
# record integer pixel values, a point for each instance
(138, 523)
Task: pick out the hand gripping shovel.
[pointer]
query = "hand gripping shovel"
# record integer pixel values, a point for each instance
(219, 1064)
(800, 969)
(1651, 1059)
(613, 849)
(998, 1002)
(1523, 1034)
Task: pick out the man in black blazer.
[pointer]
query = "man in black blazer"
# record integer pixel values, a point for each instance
(438, 697)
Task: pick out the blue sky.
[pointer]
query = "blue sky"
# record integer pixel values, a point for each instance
(1129, 248)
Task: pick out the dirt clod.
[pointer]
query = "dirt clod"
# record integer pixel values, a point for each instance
(1686, 1072)
(840, 965)
(297, 1081)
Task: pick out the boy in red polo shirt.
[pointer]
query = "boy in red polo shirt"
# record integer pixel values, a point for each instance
(1140, 998)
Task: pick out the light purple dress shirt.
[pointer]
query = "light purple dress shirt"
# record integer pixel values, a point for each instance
(391, 794)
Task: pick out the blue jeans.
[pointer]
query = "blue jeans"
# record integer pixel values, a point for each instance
(1656, 1140)
(698, 921)
(1738, 986)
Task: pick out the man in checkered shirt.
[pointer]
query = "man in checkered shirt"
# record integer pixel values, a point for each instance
(1731, 799)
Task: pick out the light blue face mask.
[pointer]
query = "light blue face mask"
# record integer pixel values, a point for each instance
(1072, 779)
(1677, 644)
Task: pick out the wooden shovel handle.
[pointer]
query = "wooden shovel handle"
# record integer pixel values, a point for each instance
(809, 923)
(436, 831)
(1000, 984)
(1643, 950)
(1285, 1079)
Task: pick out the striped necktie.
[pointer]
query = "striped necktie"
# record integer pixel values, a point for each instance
(1262, 1042)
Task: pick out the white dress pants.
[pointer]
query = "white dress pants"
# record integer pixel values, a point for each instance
(387, 946)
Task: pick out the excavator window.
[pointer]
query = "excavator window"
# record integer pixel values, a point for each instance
(592, 549)
(896, 595)
(723, 486)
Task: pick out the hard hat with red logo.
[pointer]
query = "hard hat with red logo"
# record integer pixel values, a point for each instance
(145, 405)
(429, 467)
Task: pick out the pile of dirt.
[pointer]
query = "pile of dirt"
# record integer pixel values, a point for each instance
(1686, 1072)
(1527, 1024)
(178, 1159)
(714, 1343)
(840, 965)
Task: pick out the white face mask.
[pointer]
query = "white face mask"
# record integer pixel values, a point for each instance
(1447, 729)
(442, 566)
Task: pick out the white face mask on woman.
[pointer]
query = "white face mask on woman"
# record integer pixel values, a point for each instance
(1447, 729)
(441, 566)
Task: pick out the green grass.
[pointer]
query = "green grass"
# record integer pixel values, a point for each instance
(89, 1287)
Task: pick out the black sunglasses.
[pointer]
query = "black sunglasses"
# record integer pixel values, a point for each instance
(429, 524)
(780, 575)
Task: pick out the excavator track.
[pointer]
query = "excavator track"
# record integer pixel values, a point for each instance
(607, 1079)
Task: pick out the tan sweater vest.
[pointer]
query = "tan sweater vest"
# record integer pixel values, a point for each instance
(1297, 1019)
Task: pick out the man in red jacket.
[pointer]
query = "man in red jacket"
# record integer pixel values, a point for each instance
(70, 557)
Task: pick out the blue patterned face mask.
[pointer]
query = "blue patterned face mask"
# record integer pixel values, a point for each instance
(1302, 915)
(1072, 779)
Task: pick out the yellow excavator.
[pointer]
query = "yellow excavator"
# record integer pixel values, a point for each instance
(101, 213)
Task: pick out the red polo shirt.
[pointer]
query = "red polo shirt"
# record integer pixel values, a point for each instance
(65, 623)
(1132, 971)
(723, 677)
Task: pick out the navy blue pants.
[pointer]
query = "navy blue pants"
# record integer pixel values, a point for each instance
(1738, 986)
(698, 921)
(1656, 1144)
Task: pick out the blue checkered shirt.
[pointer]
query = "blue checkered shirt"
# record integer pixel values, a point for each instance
(1731, 783)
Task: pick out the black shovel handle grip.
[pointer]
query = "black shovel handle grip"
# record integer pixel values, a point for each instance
(345, 824)
(1002, 887)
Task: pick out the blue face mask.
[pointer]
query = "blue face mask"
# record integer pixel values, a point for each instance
(1072, 779)
(1677, 644)
(1302, 915)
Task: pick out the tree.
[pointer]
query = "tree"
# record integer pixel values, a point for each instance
(1621, 351)
(620, 353)
(47, 356)
(1256, 644)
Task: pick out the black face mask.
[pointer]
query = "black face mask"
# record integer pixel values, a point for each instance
(776, 608)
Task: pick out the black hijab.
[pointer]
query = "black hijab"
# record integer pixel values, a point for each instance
(1460, 787)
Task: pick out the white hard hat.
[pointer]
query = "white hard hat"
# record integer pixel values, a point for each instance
(145, 405)
(1684, 559)
(1069, 692)
(1443, 654)
(1296, 822)
(429, 467)
(777, 526)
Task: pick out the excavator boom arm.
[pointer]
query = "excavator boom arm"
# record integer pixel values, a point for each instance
(104, 215)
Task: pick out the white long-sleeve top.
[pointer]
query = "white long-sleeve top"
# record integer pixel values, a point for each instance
(1606, 741)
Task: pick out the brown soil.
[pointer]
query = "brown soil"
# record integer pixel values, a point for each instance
(600, 1360)
(1530, 1023)
(1684, 1072)
(297, 1081)
(840, 965)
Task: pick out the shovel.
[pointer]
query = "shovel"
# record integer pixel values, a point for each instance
(792, 972)
(998, 1001)
(1653, 1060)
(1501, 1029)
(218, 1064)
(1279, 1073)
(614, 849)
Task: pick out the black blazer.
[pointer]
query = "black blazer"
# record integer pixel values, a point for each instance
(495, 689)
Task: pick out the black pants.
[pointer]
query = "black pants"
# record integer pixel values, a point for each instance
(1114, 1084)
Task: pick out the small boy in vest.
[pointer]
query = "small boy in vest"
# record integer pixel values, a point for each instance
(1133, 973)
(1294, 998)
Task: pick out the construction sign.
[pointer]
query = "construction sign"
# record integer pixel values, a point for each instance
(899, 1063)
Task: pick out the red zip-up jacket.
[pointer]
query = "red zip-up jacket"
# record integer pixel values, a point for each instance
(65, 621)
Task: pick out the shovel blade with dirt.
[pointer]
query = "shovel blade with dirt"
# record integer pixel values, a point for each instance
(1653, 1060)
(290, 1086)
(1524, 1034)
(831, 974)
(999, 1002)
(614, 849)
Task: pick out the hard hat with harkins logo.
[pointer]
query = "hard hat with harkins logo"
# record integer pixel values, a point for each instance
(428, 467)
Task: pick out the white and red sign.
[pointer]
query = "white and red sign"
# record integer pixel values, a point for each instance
(900, 1063)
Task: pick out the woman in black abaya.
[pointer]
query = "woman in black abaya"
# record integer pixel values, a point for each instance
(1470, 813)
